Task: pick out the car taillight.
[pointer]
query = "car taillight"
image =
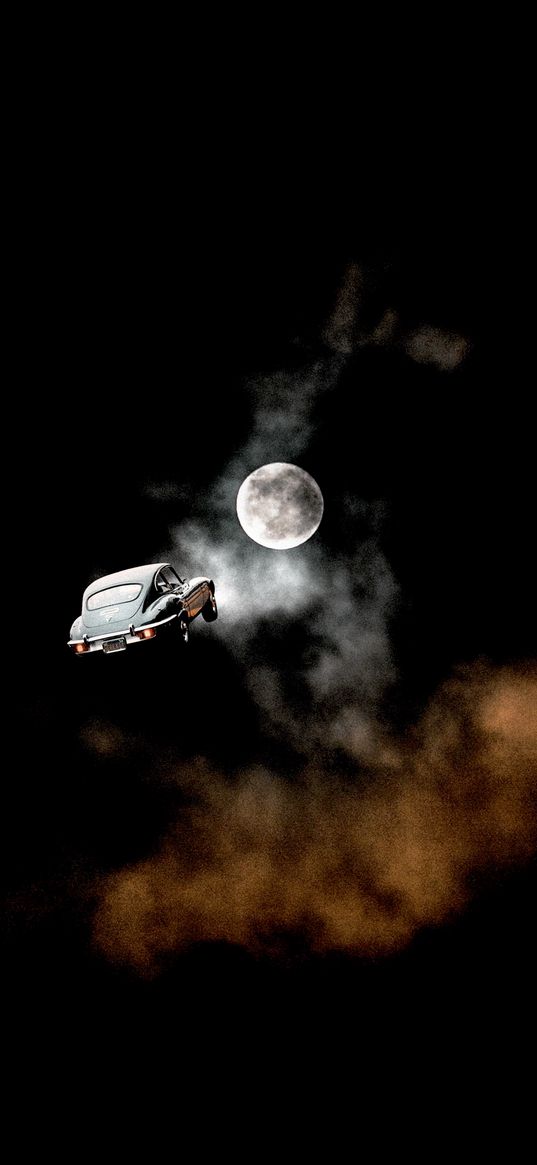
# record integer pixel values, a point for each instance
(147, 633)
(81, 647)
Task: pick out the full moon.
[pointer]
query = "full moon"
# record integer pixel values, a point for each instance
(279, 505)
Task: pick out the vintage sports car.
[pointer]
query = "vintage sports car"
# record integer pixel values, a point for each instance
(147, 602)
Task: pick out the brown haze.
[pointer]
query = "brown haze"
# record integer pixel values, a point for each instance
(345, 331)
(350, 865)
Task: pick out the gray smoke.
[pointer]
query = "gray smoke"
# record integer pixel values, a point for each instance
(341, 667)
(343, 663)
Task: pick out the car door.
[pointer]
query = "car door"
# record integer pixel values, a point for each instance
(196, 599)
(168, 581)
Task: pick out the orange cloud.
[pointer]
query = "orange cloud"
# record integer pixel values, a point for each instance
(350, 865)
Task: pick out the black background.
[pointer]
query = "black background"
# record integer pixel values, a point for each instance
(156, 276)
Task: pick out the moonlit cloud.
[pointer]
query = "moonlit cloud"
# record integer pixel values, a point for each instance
(166, 491)
(425, 344)
(354, 856)
(102, 738)
(284, 414)
(386, 331)
(347, 865)
(340, 332)
(345, 601)
(357, 862)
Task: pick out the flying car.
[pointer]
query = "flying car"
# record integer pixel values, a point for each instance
(132, 606)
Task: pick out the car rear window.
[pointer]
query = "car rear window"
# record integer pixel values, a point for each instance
(125, 593)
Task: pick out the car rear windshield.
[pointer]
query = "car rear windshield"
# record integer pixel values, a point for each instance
(112, 595)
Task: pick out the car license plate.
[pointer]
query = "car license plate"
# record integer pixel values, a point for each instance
(115, 645)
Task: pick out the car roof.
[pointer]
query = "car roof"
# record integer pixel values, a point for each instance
(135, 574)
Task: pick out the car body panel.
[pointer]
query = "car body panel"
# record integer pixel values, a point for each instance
(164, 599)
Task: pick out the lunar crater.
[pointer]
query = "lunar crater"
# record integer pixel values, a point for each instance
(280, 505)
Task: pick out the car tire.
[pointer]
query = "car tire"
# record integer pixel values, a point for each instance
(209, 612)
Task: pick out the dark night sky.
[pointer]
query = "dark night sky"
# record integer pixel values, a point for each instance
(153, 307)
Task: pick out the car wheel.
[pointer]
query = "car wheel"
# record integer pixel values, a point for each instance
(184, 629)
(210, 611)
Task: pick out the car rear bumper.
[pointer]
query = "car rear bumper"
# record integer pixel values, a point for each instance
(130, 634)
